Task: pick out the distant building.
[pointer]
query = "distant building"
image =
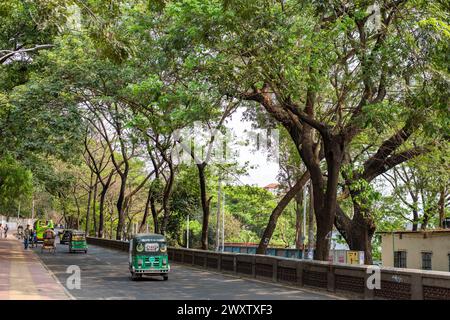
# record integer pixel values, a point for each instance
(427, 250)
(273, 188)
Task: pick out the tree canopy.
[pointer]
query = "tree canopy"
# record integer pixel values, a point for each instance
(94, 95)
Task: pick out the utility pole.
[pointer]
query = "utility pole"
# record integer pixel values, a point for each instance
(187, 231)
(304, 221)
(32, 211)
(18, 213)
(311, 223)
(223, 224)
(219, 203)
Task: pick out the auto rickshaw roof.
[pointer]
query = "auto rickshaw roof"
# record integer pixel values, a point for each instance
(149, 237)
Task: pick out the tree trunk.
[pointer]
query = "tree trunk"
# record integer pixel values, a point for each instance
(78, 210)
(271, 225)
(154, 215)
(362, 224)
(101, 213)
(147, 206)
(357, 232)
(120, 206)
(205, 204)
(415, 219)
(361, 240)
(166, 198)
(325, 194)
(325, 207)
(88, 208)
(94, 204)
(298, 221)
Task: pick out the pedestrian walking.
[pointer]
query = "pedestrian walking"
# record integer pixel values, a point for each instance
(33, 239)
(27, 235)
(6, 231)
(1, 231)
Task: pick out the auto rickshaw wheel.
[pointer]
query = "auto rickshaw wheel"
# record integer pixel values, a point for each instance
(165, 277)
(135, 276)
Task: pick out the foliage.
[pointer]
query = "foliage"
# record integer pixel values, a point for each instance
(15, 181)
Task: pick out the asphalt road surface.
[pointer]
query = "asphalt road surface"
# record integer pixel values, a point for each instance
(105, 275)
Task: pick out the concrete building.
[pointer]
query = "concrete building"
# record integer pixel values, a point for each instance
(273, 188)
(426, 250)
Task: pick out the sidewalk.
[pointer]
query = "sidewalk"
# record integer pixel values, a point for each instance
(22, 275)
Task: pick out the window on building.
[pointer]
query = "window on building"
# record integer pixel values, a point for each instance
(426, 260)
(400, 259)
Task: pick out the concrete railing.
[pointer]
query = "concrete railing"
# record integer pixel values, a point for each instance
(396, 283)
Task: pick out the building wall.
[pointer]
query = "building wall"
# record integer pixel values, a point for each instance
(414, 244)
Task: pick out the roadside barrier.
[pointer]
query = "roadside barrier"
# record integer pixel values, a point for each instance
(349, 280)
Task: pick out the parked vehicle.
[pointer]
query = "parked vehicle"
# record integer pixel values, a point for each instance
(64, 237)
(148, 256)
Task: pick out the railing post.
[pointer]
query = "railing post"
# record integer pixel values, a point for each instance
(416, 287)
(254, 267)
(331, 279)
(275, 270)
(299, 268)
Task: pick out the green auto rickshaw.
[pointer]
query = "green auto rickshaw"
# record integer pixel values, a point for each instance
(148, 255)
(77, 241)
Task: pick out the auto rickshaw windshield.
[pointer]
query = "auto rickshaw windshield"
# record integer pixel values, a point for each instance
(150, 248)
(78, 236)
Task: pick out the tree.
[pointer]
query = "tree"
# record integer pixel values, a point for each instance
(99, 161)
(295, 180)
(422, 189)
(318, 70)
(15, 181)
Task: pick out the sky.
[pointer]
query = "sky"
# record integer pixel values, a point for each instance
(265, 171)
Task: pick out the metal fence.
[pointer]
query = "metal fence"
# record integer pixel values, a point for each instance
(278, 252)
(396, 283)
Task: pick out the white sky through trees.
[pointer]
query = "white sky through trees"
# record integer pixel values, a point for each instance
(262, 170)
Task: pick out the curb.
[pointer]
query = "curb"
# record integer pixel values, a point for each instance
(69, 295)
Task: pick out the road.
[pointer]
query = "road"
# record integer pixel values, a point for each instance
(105, 275)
